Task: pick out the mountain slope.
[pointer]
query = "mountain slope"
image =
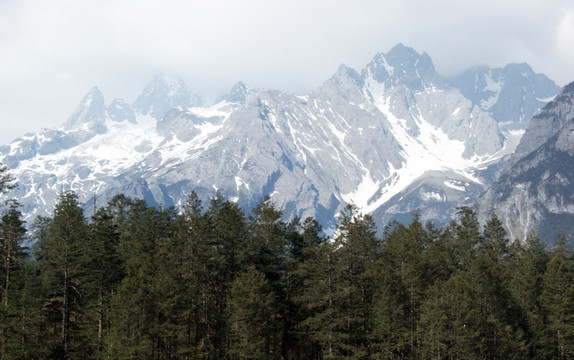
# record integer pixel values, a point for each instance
(535, 191)
(392, 138)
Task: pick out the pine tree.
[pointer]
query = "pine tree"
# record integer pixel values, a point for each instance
(59, 257)
(191, 228)
(304, 267)
(319, 293)
(12, 233)
(104, 272)
(488, 273)
(210, 243)
(466, 236)
(401, 285)
(267, 249)
(557, 299)
(143, 308)
(448, 321)
(12, 254)
(227, 241)
(357, 249)
(527, 270)
(253, 317)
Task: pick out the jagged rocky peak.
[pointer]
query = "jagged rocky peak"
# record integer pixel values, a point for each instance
(164, 92)
(346, 76)
(548, 122)
(542, 88)
(402, 65)
(238, 93)
(91, 110)
(511, 95)
(565, 139)
(120, 111)
(345, 83)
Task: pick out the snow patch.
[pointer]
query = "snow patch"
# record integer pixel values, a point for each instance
(432, 196)
(546, 100)
(239, 182)
(491, 86)
(213, 111)
(456, 185)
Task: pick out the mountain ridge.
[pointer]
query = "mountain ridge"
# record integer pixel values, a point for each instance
(364, 136)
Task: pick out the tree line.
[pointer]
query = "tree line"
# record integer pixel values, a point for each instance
(210, 281)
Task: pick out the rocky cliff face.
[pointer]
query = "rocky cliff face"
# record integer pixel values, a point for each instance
(511, 95)
(392, 138)
(535, 190)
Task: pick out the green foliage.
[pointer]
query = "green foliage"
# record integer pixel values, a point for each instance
(59, 257)
(557, 301)
(12, 273)
(254, 320)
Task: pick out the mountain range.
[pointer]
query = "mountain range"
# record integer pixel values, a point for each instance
(393, 138)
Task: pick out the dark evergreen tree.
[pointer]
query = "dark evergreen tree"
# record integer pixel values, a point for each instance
(12, 232)
(210, 243)
(488, 273)
(253, 322)
(144, 323)
(357, 250)
(465, 236)
(59, 256)
(104, 271)
(448, 321)
(401, 285)
(527, 270)
(319, 293)
(557, 300)
(191, 230)
(12, 257)
(227, 240)
(267, 248)
(304, 263)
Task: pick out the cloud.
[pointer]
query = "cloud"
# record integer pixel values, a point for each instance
(55, 51)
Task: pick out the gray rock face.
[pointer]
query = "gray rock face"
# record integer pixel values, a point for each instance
(163, 93)
(511, 95)
(120, 111)
(90, 111)
(548, 122)
(392, 138)
(535, 190)
(403, 66)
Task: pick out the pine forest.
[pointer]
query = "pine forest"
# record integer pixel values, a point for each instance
(214, 281)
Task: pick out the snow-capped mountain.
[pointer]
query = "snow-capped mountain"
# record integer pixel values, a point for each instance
(392, 138)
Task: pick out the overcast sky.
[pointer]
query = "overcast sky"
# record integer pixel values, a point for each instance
(53, 52)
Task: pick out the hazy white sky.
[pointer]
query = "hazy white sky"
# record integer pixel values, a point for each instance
(53, 52)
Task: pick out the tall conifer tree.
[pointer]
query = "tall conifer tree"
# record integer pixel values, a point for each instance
(60, 253)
